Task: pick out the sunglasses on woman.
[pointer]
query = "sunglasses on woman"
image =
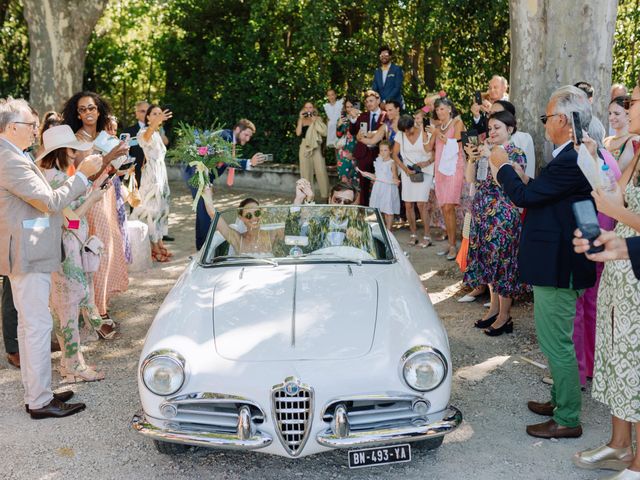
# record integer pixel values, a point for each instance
(256, 214)
(90, 108)
(627, 102)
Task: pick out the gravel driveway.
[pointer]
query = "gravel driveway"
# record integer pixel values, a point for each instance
(492, 385)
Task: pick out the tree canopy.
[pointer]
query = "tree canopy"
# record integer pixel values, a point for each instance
(262, 59)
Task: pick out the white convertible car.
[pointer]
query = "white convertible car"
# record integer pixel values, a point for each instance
(322, 337)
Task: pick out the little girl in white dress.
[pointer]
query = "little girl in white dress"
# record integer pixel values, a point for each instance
(385, 195)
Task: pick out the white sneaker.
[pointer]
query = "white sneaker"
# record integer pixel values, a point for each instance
(487, 305)
(467, 299)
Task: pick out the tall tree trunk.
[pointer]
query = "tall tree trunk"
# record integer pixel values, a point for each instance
(59, 31)
(555, 43)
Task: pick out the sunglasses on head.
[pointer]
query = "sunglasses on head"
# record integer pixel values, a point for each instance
(342, 201)
(627, 102)
(256, 214)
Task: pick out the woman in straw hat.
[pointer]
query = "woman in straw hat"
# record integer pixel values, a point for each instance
(72, 287)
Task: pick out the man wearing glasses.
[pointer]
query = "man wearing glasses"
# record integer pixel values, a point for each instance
(30, 249)
(547, 260)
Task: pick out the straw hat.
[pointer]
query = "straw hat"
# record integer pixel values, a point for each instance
(61, 136)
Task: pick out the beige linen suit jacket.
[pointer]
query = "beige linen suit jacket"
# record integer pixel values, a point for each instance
(26, 195)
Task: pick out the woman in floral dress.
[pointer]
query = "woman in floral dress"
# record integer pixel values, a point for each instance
(616, 374)
(345, 147)
(495, 230)
(71, 287)
(154, 184)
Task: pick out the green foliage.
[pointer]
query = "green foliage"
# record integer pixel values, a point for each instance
(262, 59)
(626, 49)
(14, 50)
(122, 56)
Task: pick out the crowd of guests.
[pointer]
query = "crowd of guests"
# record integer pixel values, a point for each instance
(520, 226)
(68, 181)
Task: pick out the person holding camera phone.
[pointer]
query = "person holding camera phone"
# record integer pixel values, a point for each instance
(88, 115)
(154, 187)
(345, 146)
(617, 352)
(495, 228)
(546, 259)
(481, 106)
(312, 129)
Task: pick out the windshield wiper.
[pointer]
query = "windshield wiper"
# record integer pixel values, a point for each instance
(355, 261)
(244, 257)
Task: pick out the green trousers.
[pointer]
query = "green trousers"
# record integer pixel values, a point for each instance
(554, 310)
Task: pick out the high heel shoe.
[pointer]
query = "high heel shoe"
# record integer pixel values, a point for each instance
(106, 331)
(506, 327)
(485, 323)
(80, 374)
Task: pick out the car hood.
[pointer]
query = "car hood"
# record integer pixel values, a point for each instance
(294, 312)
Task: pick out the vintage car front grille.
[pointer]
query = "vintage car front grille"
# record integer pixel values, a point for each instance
(292, 405)
(365, 414)
(202, 413)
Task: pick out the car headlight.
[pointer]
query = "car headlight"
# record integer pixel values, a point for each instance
(163, 372)
(423, 368)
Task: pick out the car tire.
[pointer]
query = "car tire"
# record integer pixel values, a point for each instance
(167, 448)
(429, 444)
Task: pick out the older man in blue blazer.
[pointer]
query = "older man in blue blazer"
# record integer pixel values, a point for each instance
(388, 78)
(547, 259)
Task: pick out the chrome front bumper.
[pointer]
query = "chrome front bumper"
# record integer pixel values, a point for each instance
(201, 439)
(450, 421)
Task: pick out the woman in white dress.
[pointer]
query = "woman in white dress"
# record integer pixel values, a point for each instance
(333, 109)
(410, 155)
(154, 185)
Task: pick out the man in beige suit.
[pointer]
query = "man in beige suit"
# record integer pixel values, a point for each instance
(30, 249)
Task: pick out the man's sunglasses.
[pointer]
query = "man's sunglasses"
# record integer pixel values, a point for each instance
(342, 201)
(256, 214)
(627, 102)
(544, 118)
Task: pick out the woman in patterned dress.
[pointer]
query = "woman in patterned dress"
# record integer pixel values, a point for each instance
(495, 230)
(620, 144)
(345, 147)
(72, 287)
(616, 378)
(87, 115)
(154, 185)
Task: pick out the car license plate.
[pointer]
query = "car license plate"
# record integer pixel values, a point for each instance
(368, 457)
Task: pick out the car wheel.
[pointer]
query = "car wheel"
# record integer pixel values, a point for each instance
(170, 448)
(430, 444)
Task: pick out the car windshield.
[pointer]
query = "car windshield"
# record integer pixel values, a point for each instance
(306, 233)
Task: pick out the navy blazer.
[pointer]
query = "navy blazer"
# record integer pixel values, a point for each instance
(392, 88)
(546, 257)
(633, 246)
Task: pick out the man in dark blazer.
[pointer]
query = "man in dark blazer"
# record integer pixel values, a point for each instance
(240, 135)
(135, 150)
(388, 78)
(365, 155)
(547, 260)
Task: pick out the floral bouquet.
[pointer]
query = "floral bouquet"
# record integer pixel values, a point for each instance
(203, 150)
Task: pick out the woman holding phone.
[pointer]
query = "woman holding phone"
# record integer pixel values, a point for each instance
(495, 228)
(88, 114)
(71, 287)
(345, 146)
(154, 184)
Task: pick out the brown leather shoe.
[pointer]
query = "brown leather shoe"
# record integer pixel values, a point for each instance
(14, 359)
(551, 429)
(55, 409)
(61, 396)
(541, 408)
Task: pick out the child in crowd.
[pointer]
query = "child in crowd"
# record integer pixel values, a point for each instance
(385, 195)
